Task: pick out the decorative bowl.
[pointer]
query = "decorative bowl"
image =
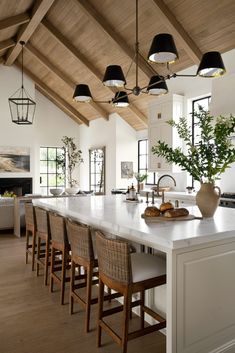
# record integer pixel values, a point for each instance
(56, 192)
(72, 191)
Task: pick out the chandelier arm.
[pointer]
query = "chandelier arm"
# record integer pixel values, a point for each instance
(128, 89)
(179, 75)
(149, 65)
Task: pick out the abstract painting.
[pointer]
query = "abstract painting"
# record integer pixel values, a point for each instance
(127, 170)
(14, 159)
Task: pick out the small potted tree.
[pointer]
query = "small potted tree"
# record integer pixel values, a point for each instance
(69, 160)
(140, 180)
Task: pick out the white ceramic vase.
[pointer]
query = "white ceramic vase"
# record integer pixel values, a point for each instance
(72, 191)
(207, 199)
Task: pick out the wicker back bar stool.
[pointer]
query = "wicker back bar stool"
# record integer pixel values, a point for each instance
(82, 255)
(59, 253)
(43, 239)
(127, 273)
(30, 224)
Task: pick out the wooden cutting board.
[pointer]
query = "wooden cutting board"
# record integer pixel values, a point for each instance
(163, 219)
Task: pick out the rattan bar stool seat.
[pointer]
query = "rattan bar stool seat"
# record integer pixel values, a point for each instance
(127, 273)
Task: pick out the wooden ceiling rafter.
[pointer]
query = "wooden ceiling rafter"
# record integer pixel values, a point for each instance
(79, 56)
(177, 29)
(102, 23)
(6, 44)
(14, 21)
(78, 117)
(52, 68)
(26, 30)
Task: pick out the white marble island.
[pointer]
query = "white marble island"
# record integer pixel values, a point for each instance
(200, 266)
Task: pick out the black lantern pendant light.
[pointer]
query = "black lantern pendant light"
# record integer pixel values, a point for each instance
(22, 106)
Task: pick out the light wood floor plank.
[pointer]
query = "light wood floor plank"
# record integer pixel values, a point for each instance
(33, 321)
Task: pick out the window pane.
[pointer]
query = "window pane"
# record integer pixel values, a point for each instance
(51, 167)
(43, 153)
(142, 162)
(143, 147)
(60, 180)
(52, 180)
(52, 154)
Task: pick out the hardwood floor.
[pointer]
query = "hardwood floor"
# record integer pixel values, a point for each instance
(33, 321)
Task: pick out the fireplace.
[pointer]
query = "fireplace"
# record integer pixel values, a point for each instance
(20, 186)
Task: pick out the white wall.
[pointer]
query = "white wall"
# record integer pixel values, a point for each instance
(50, 123)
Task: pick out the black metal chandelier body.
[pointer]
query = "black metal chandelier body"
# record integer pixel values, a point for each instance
(162, 51)
(22, 106)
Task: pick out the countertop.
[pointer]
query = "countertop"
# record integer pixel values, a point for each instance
(113, 215)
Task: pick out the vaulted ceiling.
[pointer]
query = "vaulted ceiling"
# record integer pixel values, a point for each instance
(72, 41)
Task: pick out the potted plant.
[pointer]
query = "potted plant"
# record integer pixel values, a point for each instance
(140, 179)
(69, 160)
(206, 160)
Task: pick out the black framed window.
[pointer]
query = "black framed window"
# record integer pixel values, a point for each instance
(51, 174)
(97, 170)
(143, 161)
(203, 102)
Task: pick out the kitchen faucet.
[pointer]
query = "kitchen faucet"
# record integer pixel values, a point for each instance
(161, 177)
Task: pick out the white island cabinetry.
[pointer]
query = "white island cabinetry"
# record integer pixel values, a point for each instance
(164, 109)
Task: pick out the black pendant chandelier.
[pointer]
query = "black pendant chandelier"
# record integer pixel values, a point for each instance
(162, 51)
(22, 106)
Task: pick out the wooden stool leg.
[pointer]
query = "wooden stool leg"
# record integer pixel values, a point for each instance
(63, 275)
(33, 249)
(88, 296)
(38, 254)
(142, 300)
(72, 279)
(100, 311)
(46, 262)
(126, 316)
(27, 246)
(52, 268)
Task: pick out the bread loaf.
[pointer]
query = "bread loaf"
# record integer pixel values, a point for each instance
(178, 212)
(152, 211)
(166, 206)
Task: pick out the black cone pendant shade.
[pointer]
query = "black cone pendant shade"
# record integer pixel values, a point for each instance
(82, 93)
(157, 86)
(121, 100)
(163, 49)
(211, 65)
(114, 76)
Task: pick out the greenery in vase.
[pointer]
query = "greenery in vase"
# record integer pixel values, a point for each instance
(69, 159)
(209, 157)
(140, 177)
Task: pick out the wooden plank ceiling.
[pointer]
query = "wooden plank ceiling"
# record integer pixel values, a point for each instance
(72, 41)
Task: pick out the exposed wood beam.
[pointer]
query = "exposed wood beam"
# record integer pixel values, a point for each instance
(46, 63)
(100, 21)
(176, 29)
(79, 56)
(14, 21)
(39, 11)
(55, 97)
(5, 44)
